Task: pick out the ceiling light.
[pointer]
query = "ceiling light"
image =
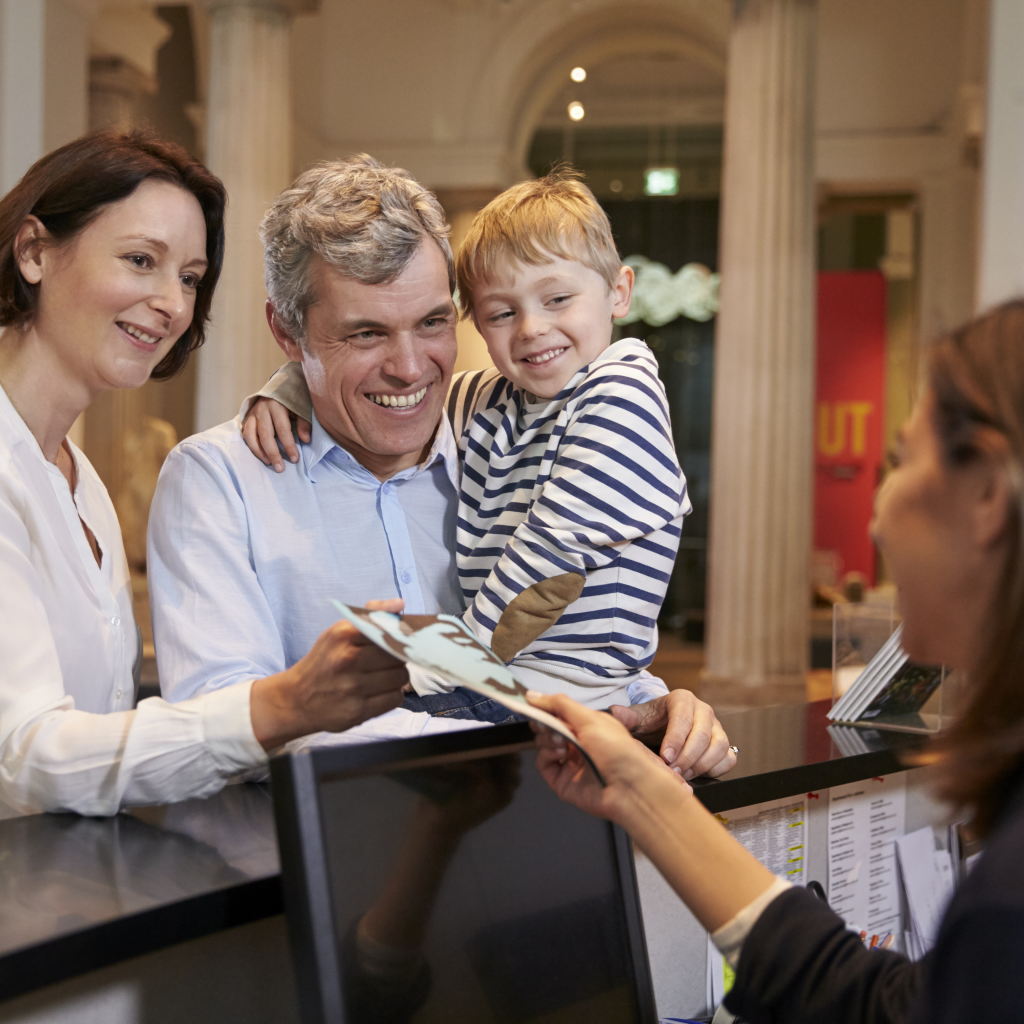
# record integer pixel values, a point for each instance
(576, 110)
(578, 74)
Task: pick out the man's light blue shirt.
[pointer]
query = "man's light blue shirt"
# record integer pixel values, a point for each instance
(243, 561)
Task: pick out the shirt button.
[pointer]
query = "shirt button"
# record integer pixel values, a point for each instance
(117, 694)
(406, 578)
(115, 622)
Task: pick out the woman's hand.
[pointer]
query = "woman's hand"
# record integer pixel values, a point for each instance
(693, 741)
(624, 762)
(269, 422)
(713, 875)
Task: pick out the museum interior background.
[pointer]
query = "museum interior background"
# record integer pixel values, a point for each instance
(811, 192)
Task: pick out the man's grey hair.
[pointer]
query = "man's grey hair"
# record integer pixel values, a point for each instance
(365, 220)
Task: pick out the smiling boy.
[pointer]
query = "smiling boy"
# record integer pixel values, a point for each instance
(572, 498)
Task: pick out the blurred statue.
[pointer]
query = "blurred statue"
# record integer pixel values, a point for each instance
(144, 448)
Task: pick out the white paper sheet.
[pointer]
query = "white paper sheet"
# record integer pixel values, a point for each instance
(775, 832)
(720, 976)
(928, 881)
(446, 646)
(864, 819)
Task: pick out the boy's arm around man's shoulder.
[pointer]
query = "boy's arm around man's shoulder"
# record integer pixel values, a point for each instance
(287, 386)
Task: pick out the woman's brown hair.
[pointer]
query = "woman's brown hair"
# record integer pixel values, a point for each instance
(977, 377)
(71, 186)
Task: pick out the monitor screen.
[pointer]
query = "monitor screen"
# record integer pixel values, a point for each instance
(462, 889)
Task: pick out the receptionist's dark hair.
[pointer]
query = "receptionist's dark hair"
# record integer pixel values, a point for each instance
(977, 377)
(71, 186)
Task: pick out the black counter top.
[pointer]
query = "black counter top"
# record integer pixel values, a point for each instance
(77, 894)
(794, 749)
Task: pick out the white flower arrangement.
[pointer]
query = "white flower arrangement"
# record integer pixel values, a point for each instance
(659, 296)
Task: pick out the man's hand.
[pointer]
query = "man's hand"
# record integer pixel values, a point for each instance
(268, 422)
(343, 680)
(693, 743)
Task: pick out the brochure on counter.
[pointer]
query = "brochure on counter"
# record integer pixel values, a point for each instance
(890, 686)
(447, 647)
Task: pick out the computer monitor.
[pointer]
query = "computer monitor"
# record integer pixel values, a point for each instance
(440, 881)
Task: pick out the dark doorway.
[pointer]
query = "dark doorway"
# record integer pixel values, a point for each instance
(674, 231)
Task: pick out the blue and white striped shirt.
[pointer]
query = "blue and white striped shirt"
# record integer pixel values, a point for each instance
(586, 482)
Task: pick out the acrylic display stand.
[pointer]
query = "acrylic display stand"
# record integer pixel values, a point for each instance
(858, 633)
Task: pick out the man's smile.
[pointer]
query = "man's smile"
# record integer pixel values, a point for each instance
(399, 401)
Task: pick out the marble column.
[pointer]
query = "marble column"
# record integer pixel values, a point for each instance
(761, 476)
(249, 146)
(115, 86)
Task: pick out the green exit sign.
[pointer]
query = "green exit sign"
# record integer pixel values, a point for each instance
(661, 181)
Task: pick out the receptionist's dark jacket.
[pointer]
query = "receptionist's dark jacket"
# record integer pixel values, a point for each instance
(799, 964)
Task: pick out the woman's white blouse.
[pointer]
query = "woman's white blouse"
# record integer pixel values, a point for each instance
(69, 739)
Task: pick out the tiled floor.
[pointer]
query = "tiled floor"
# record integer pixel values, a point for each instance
(681, 665)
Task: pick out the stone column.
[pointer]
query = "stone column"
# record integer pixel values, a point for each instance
(761, 475)
(115, 86)
(249, 146)
(124, 39)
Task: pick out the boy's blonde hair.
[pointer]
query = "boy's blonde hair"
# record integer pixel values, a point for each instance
(556, 215)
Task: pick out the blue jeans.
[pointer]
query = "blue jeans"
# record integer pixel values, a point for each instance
(461, 703)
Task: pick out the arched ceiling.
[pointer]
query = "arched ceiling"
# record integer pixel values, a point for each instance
(659, 88)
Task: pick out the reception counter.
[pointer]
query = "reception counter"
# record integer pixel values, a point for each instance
(172, 913)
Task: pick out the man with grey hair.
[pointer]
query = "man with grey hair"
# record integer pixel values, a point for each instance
(243, 561)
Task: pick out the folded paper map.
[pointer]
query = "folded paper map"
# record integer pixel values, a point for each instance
(446, 646)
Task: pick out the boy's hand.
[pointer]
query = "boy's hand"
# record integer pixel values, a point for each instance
(694, 742)
(267, 423)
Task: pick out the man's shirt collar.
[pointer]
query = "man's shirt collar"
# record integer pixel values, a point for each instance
(321, 446)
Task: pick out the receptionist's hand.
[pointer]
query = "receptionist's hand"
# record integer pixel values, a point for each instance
(627, 766)
(692, 740)
(268, 422)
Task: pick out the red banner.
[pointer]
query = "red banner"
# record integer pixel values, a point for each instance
(849, 406)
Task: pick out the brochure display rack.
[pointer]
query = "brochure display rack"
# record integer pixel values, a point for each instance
(874, 684)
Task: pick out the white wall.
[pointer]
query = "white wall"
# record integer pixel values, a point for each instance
(887, 65)
(1001, 270)
(43, 80)
(453, 90)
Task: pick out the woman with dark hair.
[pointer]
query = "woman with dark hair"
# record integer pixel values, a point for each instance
(948, 520)
(110, 249)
